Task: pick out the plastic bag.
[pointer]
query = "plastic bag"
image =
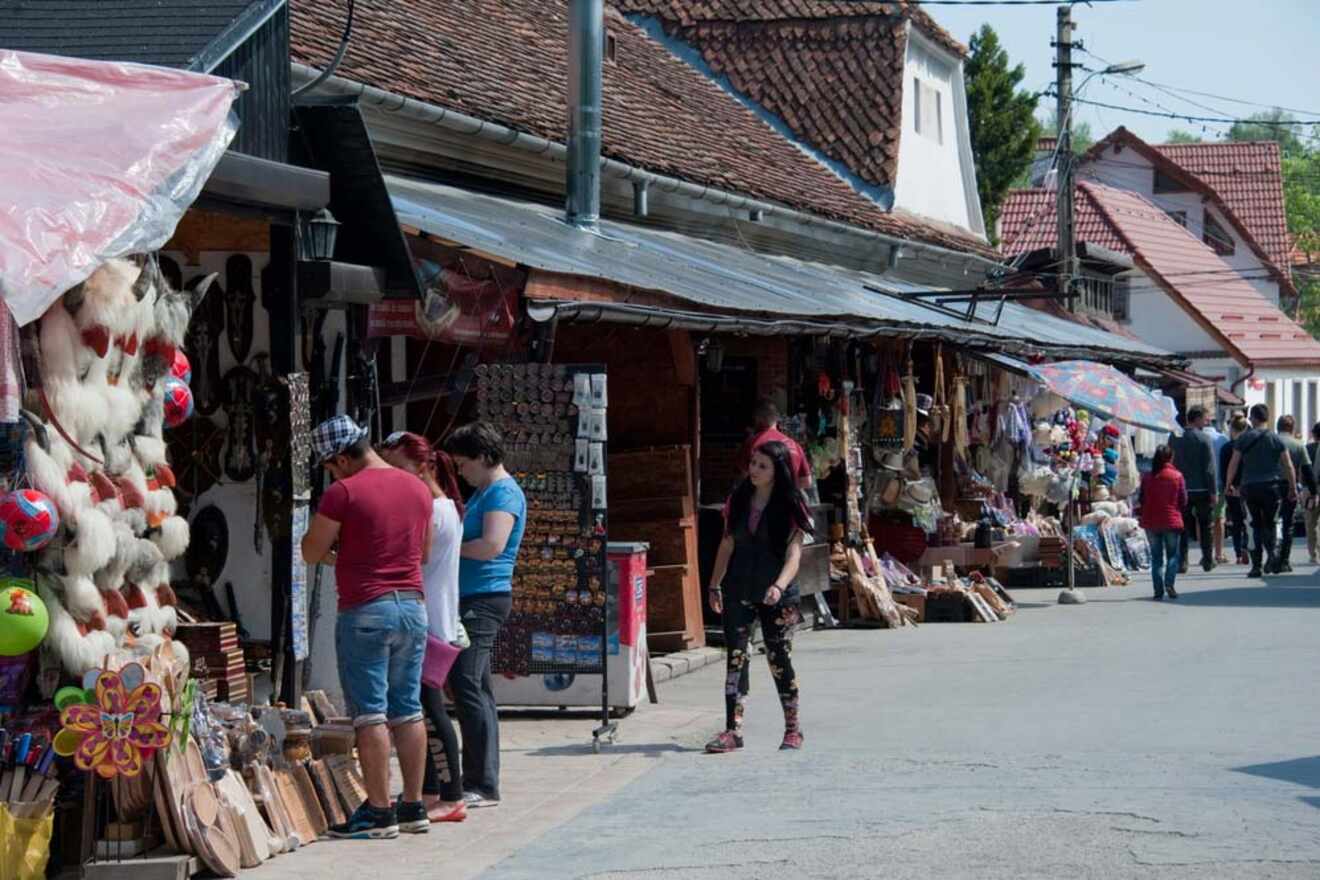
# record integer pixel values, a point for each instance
(98, 160)
(24, 844)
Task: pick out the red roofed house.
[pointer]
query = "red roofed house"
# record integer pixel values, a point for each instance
(1175, 291)
(873, 90)
(1230, 195)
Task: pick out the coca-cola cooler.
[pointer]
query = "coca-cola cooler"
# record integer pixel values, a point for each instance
(626, 655)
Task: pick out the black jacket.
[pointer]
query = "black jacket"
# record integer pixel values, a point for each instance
(1194, 455)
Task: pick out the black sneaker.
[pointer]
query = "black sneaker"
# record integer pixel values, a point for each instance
(413, 818)
(368, 823)
(1255, 571)
(1284, 568)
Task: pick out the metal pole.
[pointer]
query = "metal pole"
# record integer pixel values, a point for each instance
(586, 36)
(1064, 212)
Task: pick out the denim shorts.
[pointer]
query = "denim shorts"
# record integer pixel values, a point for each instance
(380, 646)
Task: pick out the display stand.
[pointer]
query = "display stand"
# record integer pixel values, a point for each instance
(552, 417)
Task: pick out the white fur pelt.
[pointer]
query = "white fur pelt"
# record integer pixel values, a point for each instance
(78, 648)
(92, 543)
(172, 537)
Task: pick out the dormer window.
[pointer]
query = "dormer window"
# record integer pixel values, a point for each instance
(928, 110)
(1217, 237)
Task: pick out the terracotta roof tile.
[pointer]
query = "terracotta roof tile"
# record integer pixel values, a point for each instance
(1249, 177)
(506, 61)
(689, 12)
(1226, 305)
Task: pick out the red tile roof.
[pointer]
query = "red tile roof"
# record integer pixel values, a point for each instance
(1249, 178)
(506, 61)
(837, 83)
(1249, 187)
(687, 12)
(1228, 307)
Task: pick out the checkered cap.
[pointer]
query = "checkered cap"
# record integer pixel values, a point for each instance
(333, 436)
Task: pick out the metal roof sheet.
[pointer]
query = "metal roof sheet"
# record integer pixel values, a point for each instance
(721, 277)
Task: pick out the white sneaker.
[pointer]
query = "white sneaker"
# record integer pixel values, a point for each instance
(475, 801)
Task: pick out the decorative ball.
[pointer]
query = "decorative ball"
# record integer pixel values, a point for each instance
(178, 402)
(28, 520)
(181, 369)
(23, 617)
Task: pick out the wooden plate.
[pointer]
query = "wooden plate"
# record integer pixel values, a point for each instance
(205, 805)
(222, 852)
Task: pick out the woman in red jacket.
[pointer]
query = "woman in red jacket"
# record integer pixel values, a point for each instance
(1163, 497)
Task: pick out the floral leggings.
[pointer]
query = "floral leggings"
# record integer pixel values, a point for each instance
(777, 622)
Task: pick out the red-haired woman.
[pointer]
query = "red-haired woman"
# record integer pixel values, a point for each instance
(442, 785)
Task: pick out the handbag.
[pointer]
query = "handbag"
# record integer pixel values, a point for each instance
(438, 660)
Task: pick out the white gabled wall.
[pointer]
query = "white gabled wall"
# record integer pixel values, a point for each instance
(937, 179)
(1295, 392)
(1129, 170)
(1157, 319)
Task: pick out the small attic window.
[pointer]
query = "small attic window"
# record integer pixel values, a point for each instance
(1216, 237)
(1166, 184)
(611, 46)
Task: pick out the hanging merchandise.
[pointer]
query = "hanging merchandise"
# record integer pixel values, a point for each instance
(178, 399)
(28, 520)
(195, 449)
(114, 727)
(909, 408)
(941, 418)
(23, 617)
(239, 301)
(240, 386)
(959, 415)
(203, 344)
(1129, 476)
(181, 369)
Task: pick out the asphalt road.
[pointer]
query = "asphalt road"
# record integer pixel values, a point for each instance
(1120, 739)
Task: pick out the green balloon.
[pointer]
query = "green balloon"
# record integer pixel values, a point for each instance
(23, 617)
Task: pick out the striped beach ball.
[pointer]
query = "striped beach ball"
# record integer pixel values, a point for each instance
(28, 520)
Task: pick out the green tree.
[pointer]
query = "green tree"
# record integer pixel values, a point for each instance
(1178, 136)
(1002, 117)
(1082, 137)
(1271, 125)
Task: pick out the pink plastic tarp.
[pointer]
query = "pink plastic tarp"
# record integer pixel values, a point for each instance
(97, 160)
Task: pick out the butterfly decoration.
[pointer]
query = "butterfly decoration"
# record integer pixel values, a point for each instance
(112, 725)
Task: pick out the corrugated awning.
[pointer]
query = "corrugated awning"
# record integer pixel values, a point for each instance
(719, 283)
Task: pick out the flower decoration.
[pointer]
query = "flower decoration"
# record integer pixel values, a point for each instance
(116, 732)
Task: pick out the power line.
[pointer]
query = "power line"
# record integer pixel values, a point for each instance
(1278, 123)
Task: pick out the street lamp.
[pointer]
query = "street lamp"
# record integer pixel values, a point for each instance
(321, 230)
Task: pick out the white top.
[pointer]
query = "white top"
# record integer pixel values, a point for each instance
(441, 574)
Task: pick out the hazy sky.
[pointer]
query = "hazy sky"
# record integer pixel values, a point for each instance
(1266, 51)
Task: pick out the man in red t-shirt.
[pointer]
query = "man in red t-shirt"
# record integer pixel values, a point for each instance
(766, 418)
(381, 518)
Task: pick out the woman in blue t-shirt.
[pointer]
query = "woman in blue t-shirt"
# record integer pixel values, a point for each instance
(492, 531)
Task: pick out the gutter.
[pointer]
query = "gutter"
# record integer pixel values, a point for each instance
(471, 126)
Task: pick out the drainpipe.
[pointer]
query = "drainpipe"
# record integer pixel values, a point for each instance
(586, 27)
(1241, 380)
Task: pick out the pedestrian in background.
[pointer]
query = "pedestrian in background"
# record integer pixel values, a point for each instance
(1163, 500)
(765, 523)
(1304, 477)
(1194, 457)
(442, 782)
(1233, 504)
(493, 527)
(1264, 462)
(1313, 506)
(1218, 516)
(381, 518)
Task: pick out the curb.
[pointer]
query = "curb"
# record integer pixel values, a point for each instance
(671, 666)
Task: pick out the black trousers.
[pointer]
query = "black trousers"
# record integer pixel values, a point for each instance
(441, 776)
(1198, 522)
(1288, 514)
(478, 718)
(1237, 525)
(777, 622)
(1263, 505)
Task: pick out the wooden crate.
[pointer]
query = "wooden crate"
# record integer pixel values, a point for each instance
(915, 602)
(640, 510)
(673, 603)
(672, 542)
(658, 472)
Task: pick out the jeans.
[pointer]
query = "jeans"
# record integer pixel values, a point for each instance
(441, 774)
(1237, 525)
(1164, 559)
(1263, 504)
(474, 698)
(1198, 517)
(380, 647)
(777, 622)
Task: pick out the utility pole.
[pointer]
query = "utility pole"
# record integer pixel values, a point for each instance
(1063, 64)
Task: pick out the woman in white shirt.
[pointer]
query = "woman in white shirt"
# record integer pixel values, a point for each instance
(442, 788)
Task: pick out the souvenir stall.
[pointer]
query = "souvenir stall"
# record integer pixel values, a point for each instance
(113, 747)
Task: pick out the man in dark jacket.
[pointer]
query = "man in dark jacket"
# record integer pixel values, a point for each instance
(1313, 507)
(1194, 456)
(1287, 426)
